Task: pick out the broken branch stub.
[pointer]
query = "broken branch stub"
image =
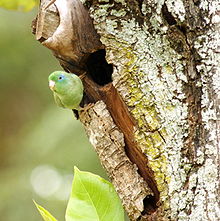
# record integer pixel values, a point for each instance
(66, 28)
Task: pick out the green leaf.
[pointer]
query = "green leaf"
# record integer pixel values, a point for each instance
(44, 213)
(93, 199)
(21, 5)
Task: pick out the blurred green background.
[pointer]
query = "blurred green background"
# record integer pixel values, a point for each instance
(39, 142)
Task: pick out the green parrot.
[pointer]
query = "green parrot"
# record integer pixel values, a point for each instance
(67, 89)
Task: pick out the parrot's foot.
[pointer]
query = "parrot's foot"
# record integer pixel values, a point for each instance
(49, 4)
(84, 109)
(82, 75)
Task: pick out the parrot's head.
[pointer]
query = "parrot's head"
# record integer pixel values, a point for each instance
(60, 81)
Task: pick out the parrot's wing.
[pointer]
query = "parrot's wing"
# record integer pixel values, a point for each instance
(58, 101)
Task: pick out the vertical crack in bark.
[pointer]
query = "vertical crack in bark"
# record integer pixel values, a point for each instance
(181, 39)
(108, 142)
(140, 3)
(193, 98)
(126, 124)
(167, 15)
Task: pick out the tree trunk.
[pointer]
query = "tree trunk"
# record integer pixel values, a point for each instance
(155, 123)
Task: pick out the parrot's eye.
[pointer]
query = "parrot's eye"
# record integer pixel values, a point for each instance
(60, 77)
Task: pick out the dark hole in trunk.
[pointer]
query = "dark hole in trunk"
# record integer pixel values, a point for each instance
(98, 68)
(150, 205)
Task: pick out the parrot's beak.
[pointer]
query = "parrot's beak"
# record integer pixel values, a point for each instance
(51, 84)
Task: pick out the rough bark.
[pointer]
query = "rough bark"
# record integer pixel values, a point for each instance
(109, 144)
(161, 110)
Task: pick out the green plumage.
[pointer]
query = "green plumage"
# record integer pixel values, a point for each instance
(67, 89)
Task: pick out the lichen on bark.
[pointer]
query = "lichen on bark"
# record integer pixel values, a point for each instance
(166, 68)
